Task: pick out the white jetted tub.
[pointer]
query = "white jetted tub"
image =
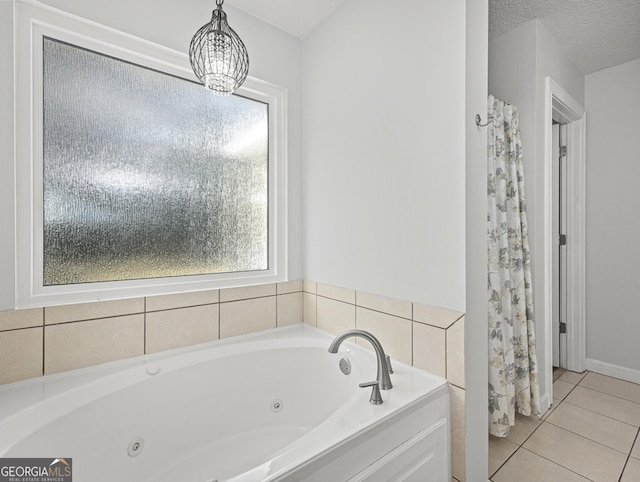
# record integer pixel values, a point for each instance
(268, 406)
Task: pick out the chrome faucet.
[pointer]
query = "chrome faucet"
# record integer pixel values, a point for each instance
(383, 379)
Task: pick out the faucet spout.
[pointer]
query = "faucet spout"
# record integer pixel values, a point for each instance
(383, 368)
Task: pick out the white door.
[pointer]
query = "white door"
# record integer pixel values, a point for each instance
(559, 253)
(563, 246)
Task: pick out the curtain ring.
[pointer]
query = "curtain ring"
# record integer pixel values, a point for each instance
(479, 121)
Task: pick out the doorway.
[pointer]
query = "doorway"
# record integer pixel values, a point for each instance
(566, 295)
(559, 236)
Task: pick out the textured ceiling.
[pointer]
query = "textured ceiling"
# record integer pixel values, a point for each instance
(596, 34)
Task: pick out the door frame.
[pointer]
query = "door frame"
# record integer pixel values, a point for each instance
(560, 104)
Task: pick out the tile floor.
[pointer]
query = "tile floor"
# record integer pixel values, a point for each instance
(589, 433)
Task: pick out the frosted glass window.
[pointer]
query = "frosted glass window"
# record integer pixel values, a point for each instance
(146, 174)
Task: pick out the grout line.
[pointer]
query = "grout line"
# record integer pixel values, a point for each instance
(22, 328)
(569, 392)
(584, 437)
(413, 360)
(334, 299)
(250, 298)
(120, 315)
(611, 395)
(521, 446)
(374, 310)
(626, 462)
(179, 307)
(43, 352)
(446, 348)
(556, 463)
(144, 333)
(606, 393)
(518, 447)
(602, 414)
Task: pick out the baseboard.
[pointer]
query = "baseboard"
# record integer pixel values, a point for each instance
(604, 368)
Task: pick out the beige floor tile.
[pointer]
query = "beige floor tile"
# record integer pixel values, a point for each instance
(561, 389)
(605, 404)
(555, 405)
(572, 377)
(636, 449)
(578, 454)
(500, 449)
(631, 471)
(605, 430)
(526, 466)
(612, 386)
(523, 428)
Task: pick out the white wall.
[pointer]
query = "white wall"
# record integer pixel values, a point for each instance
(519, 63)
(7, 189)
(384, 150)
(476, 352)
(274, 57)
(613, 223)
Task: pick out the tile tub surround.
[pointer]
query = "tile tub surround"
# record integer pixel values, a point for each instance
(41, 341)
(427, 337)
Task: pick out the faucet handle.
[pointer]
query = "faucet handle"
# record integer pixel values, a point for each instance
(375, 398)
(389, 364)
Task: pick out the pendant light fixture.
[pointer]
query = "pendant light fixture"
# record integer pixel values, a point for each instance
(218, 57)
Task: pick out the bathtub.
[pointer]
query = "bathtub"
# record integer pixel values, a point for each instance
(274, 405)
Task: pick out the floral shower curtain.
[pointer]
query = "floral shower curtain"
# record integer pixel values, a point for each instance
(513, 371)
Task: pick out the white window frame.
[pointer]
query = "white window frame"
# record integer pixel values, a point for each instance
(33, 22)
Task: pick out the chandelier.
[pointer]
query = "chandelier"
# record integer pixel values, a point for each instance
(218, 57)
